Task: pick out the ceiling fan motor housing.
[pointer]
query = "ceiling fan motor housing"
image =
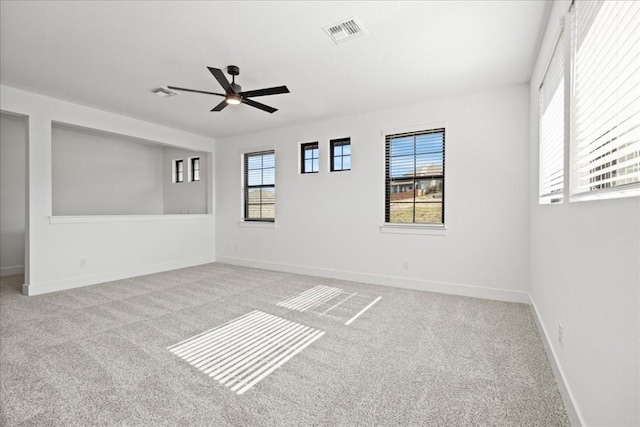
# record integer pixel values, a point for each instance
(234, 70)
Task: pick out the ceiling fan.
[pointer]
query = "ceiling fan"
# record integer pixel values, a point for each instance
(233, 92)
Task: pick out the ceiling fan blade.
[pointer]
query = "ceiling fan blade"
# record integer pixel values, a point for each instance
(219, 75)
(259, 105)
(194, 91)
(262, 92)
(220, 106)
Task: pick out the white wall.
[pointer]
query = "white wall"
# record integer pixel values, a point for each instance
(329, 223)
(585, 274)
(104, 174)
(112, 248)
(188, 197)
(13, 148)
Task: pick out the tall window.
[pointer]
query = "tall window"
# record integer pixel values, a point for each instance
(605, 144)
(178, 170)
(551, 96)
(309, 157)
(259, 186)
(340, 154)
(415, 177)
(194, 168)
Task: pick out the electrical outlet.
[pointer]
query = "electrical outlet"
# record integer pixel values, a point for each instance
(560, 334)
(405, 264)
(83, 262)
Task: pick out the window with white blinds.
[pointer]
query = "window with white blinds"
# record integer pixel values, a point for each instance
(605, 146)
(551, 96)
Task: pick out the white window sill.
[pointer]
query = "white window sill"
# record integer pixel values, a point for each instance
(257, 224)
(417, 229)
(125, 218)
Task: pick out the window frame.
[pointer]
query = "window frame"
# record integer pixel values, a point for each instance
(192, 169)
(552, 150)
(341, 142)
(303, 149)
(423, 130)
(177, 171)
(247, 187)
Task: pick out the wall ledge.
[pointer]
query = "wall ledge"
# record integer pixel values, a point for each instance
(79, 219)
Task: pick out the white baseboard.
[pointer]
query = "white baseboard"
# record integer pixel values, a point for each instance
(375, 279)
(10, 271)
(573, 410)
(76, 282)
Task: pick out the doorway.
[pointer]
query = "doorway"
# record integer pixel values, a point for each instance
(13, 199)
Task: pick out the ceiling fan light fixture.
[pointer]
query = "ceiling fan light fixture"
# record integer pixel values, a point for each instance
(233, 99)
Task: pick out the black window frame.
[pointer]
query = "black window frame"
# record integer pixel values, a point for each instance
(178, 171)
(303, 149)
(248, 188)
(415, 177)
(341, 142)
(193, 169)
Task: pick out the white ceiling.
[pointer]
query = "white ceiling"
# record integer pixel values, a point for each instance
(109, 55)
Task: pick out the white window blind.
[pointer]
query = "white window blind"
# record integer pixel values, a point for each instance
(605, 146)
(551, 95)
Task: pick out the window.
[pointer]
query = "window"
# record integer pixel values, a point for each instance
(415, 177)
(178, 170)
(551, 95)
(309, 157)
(340, 154)
(194, 168)
(605, 114)
(259, 186)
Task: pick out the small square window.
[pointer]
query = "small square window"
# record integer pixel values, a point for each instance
(178, 170)
(309, 162)
(340, 154)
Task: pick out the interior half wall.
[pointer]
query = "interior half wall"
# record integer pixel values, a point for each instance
(67, 252)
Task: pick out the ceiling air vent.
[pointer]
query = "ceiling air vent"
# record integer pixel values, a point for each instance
(164, 92)
(346, 30)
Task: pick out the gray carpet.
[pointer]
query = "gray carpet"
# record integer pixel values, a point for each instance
(98, 356)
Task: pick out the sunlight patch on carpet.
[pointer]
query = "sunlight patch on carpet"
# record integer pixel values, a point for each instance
(332, 302)
(363, 310)
(243, 352)
(311, 298)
